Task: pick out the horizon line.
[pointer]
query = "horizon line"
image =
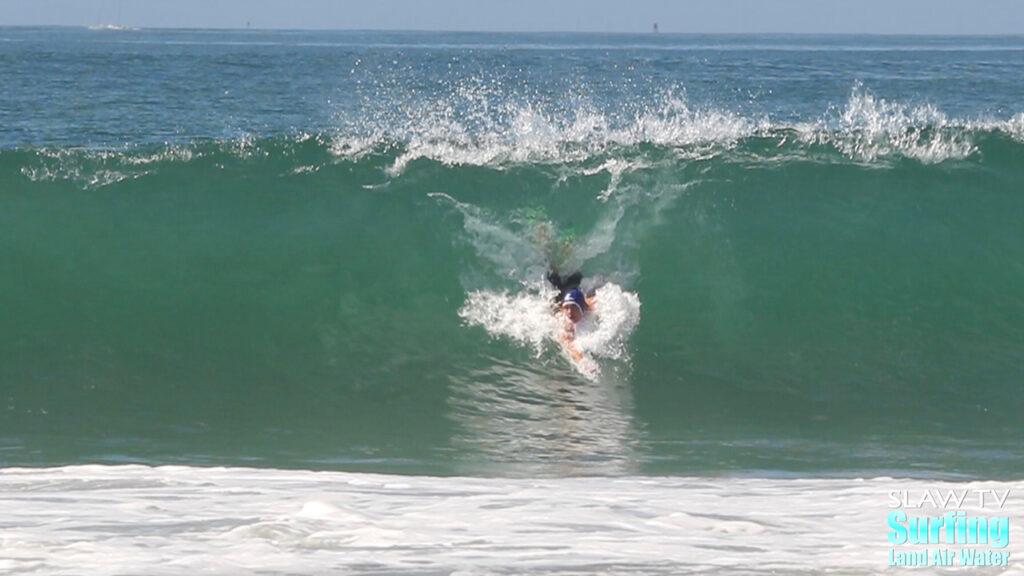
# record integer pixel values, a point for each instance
(133, 28)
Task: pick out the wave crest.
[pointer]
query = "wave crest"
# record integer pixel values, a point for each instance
(481, 126)
(871, 128)
(484, 126)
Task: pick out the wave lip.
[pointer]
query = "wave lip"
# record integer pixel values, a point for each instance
(473, 127)
(870, 128)
(481, 126)
(866, 129)
(98, 168)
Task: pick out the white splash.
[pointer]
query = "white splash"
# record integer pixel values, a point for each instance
(870, 128)
(529, 318)
(605, 331)
(479, 125)
(1015, 127)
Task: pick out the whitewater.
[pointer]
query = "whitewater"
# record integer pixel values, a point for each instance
(173, 520)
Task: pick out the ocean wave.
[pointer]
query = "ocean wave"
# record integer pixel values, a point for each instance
(766, 281)
(577, 139)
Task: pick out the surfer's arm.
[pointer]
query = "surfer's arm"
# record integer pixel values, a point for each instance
(562, 284)
(566, 337)
(554, 278)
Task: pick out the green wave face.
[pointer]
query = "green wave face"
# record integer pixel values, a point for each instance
(327, 250)
(281, 301)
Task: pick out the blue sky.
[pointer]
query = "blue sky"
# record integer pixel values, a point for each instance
(692, 16)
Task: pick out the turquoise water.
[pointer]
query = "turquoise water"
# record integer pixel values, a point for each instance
(263, 249)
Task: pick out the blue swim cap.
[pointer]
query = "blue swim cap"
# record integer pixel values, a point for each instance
(575, 297)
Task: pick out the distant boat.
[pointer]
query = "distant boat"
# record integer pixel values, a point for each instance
(114, 27)
(118, 27)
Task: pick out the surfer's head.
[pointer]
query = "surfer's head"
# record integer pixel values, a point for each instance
(573, 304)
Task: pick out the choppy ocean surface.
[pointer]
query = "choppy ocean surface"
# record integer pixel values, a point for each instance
(275, 301)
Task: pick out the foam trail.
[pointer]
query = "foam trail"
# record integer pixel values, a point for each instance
(513, 253)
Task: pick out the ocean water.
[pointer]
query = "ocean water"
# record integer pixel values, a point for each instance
(275, 301)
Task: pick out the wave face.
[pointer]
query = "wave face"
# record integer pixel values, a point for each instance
(328, 251)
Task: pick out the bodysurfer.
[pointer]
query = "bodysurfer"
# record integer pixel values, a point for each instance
(572, 305)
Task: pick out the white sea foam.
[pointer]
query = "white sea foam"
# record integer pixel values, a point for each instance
(528, 317)
(482, 126)
(604, 332)
(479, 125)
(1015, 127)
(525, 317)
(177, 520)
(869, 128)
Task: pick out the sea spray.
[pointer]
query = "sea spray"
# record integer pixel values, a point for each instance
(530, 318)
